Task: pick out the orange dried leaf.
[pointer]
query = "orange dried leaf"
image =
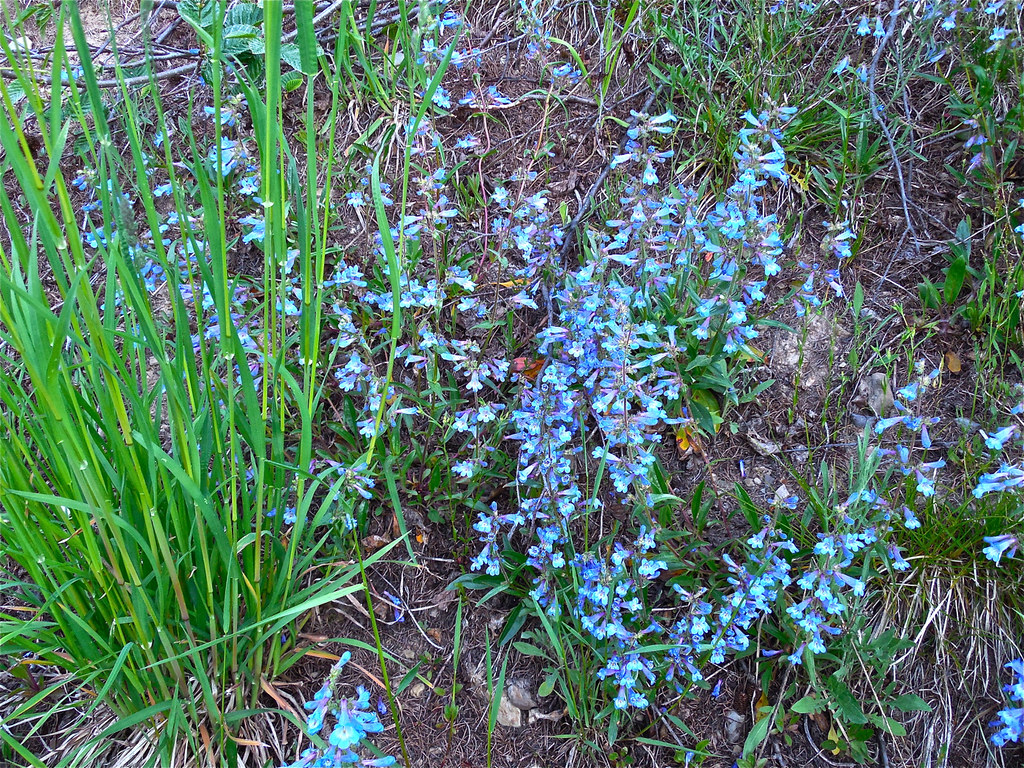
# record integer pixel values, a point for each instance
(528, 368)
(688, 440)
(324, 655)
(272, 692)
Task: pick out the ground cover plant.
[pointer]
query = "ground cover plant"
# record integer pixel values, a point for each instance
(511, 384)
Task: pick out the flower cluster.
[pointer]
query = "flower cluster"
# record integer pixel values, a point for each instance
(354, 720)
(611, 359)
(902, 457)
(1011, 719)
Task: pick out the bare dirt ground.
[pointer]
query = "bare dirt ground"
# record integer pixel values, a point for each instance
(812, 415)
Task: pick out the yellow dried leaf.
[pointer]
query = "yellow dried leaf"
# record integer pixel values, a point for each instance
(952, 362)
(799, 175)
(834, 738)
(762, 708)
(752, 353)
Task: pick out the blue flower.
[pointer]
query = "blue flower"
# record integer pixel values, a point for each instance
(1008, 476)
(1011, 719)
(994, 442)
(910, 519)
(258, 231)
(998, 546)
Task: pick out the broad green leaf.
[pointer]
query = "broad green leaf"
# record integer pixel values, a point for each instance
(954, 280)
(809, 705)
(911, 702)
(527, 649)
(756, 736)
(847, 706)
(892, 727)
(244, 13)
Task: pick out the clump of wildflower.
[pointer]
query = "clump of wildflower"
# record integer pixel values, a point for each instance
(533, 21)
(1011, 720)
(606, 363)
(354, 719)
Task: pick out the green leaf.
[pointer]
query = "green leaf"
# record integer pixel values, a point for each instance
(954, 280)
(290, 56)
(244, 13)
(929, 294)
(809, 705)
(757, 735)
(528, 650)
(199, 15)
(748, 507)
(911, 702)
(548, 685)
(237, 38)
(291, 81)
(306, 37)
(705, 410)
(515, 621)
(887, 724)
(847, 706)
(963, 233)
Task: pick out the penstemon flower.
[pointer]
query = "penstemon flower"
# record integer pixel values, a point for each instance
(354, 720)
(1011, 719)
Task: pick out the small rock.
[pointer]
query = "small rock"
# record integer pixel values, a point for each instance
(496, 621)
(735, 723)
(477, 680)
(860, 421)
(800, 454)
(417, 689)
(761, 445)
(509, 715)
(519, 694)
(875, 392)
(535, 714)
(781, 494)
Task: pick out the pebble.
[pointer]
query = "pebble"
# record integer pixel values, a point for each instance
(509, 715)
